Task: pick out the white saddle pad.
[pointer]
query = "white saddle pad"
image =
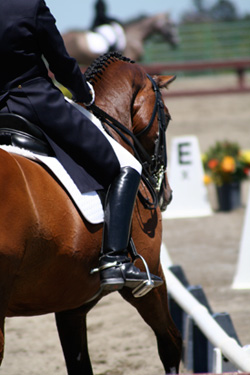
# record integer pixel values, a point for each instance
(89, 204)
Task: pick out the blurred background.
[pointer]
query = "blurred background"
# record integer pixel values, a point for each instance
(188, 36)
(207, 28)
(80, 13)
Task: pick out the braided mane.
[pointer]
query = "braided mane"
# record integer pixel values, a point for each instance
(98, 66)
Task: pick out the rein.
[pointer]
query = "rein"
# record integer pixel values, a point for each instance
(153, 167)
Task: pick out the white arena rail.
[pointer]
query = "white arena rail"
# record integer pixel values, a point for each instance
(237, 355)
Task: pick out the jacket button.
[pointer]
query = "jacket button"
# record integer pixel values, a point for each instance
(19, 86)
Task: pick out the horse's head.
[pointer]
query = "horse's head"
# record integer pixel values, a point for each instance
(134, 100)
(166, 27)
(150, 122)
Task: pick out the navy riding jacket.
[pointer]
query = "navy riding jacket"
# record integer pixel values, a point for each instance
(29, 41)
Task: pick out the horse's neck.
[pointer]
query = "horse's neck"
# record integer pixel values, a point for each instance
(142, 29)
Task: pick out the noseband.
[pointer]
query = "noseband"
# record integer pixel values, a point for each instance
(153, 166)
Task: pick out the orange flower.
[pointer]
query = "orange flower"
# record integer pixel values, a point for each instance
(228, 164)
(212, 163)
(246, 171)
(207, 179)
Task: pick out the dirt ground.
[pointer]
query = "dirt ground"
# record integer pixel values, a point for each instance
(207, 249)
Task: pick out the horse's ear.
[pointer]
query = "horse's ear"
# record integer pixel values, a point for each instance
(164, 81)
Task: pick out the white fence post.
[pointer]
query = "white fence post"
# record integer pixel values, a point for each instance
(217, 361)
(242, 276)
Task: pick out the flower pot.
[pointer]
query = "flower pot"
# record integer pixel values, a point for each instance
(229, 196)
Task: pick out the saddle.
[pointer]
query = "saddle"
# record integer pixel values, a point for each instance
(20, 136)
(17, 131)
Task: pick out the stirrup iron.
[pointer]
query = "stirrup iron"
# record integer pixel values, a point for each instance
(146, 285)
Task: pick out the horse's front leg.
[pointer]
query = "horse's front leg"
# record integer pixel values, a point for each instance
(153, 308)
(71, 326)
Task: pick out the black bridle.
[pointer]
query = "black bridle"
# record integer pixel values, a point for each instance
(153, 166)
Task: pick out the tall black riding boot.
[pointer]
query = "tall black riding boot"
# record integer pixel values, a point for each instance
(116, 268)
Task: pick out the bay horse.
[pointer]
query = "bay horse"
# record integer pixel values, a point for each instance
(48, 250)
(136, 32)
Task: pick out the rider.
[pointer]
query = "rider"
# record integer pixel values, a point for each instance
(28, 34)
(109, 27)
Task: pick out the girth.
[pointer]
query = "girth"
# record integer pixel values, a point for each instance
(16, 130)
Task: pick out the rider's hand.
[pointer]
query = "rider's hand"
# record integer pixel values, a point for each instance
(92, 93)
